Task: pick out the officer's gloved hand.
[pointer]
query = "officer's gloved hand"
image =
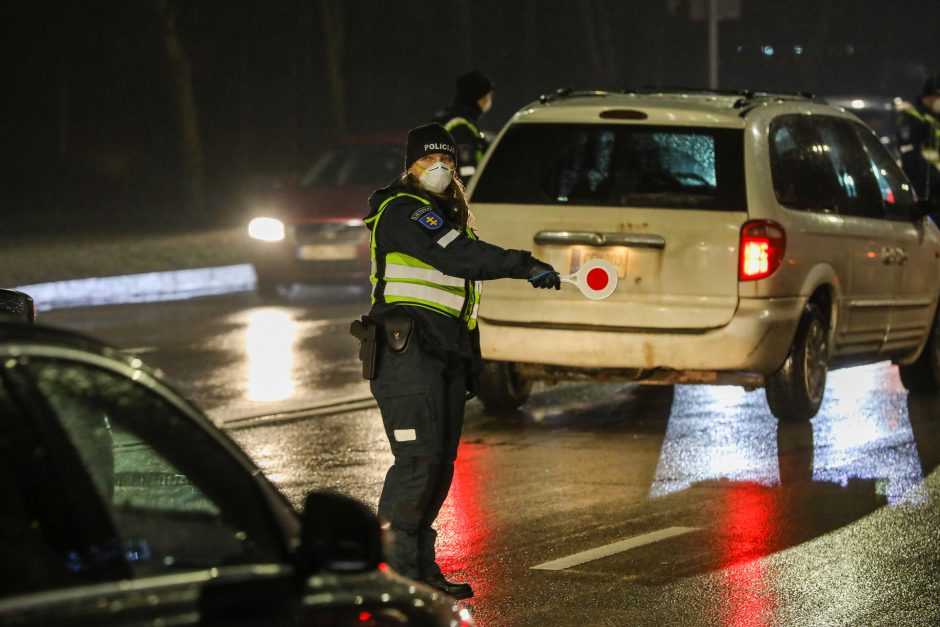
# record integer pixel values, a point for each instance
(543, 275)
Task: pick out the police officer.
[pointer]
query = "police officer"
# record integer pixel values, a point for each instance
(474, 98)
(919, 141)
(427, 270)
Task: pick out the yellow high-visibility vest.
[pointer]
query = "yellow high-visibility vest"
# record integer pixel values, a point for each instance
(407, 280)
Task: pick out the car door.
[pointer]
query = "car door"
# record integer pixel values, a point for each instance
(862, 246)
(168, 523)
(664, 204)
(915, 252)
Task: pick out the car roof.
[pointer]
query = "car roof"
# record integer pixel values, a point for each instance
(666, 106)
(13, 330)
(373, 138)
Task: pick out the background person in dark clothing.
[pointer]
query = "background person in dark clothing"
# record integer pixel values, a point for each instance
(428, 265)
(474, 98)
(919, 141)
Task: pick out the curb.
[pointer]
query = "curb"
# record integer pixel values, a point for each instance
(142, 288)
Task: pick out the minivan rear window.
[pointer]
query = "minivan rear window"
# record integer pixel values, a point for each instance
(616, 165)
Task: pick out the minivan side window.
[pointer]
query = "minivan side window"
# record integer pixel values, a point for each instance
(818, 163)
(858, 189)
(175, 498)
(896, 193)
(798, 166)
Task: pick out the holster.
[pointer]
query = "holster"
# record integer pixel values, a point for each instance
(364, 330)
(398, 332)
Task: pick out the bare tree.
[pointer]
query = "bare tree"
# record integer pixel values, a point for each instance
(180, 74)
(334, 30)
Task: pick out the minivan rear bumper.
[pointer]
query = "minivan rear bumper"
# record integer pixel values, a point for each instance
(756, 340)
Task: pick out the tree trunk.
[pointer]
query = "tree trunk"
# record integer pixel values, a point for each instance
(190, 141)
(334, 34)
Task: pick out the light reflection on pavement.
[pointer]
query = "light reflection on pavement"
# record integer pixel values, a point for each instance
(270, 336)
(862, 432)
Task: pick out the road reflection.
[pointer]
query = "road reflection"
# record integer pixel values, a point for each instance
(269, 345)
(863, 432)
(750, 514)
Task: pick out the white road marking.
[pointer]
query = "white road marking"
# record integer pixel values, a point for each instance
(616, 547)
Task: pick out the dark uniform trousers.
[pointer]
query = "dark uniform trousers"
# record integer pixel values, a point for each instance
(421, 397)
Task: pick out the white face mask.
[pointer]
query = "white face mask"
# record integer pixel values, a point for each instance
(436, 178)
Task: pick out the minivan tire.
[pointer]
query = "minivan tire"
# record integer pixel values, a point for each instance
(502, 388)
(795, 391)
(923, 376)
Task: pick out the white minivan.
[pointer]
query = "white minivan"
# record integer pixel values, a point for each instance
(759, 239)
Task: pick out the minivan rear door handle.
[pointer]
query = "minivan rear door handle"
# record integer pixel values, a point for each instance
(595, 238)
(893, 255)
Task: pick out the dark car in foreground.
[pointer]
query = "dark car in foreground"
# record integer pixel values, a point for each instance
(17, 305)
(124, 505)
(312, 231)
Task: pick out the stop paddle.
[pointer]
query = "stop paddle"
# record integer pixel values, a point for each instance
(597, 279)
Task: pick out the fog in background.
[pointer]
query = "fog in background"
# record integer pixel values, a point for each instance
(136, 113)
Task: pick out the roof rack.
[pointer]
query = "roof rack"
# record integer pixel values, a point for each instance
(745, 96)
(569, 92)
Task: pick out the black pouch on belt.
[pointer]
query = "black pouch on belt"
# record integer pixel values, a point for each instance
(398, 332)
(364, 330)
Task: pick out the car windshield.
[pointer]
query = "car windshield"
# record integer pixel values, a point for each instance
(356, 164)
(616, 165)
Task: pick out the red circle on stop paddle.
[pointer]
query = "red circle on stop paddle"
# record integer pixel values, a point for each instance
(597, 279)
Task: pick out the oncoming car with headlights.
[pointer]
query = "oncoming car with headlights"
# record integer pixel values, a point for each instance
(311, 232)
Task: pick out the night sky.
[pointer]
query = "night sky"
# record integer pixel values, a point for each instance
(95, 91)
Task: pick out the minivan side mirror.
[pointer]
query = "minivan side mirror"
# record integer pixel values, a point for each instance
(339, 534)
(18, 305)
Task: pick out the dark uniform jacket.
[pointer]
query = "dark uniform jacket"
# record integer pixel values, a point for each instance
(470, 141)
(399, 231)
(916, 134)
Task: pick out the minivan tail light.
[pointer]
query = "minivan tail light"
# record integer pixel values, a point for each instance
(763, 243)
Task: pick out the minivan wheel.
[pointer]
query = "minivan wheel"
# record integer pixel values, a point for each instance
(923, 376)
(502, 388)
(795, 391)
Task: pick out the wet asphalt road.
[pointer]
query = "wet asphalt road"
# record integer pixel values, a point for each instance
(596, 504)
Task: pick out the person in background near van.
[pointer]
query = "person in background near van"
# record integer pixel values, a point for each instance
(474, 98)
(919, 141)
(427, 269)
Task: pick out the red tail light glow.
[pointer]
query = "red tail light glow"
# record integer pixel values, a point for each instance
(763, 243)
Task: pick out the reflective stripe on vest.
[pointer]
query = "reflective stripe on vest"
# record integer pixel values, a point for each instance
(931, 145)
(455, 122)
(409, 280)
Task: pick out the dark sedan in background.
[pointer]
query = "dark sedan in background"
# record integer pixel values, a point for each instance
(311, 231)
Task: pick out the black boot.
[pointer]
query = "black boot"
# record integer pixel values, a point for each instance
(454, 589)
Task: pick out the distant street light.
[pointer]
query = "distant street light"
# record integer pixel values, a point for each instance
(714, 11)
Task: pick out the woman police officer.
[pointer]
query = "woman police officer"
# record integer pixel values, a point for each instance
(427, 269)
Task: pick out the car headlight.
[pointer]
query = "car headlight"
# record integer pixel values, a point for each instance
(267, 229)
